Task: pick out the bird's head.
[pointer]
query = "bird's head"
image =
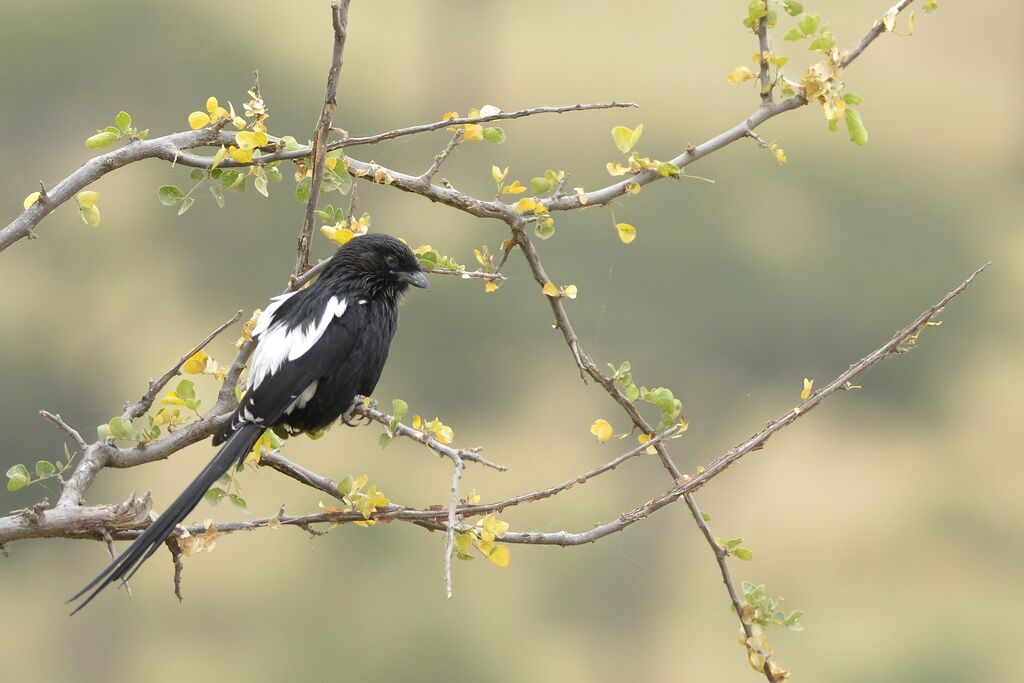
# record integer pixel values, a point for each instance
(382, 265)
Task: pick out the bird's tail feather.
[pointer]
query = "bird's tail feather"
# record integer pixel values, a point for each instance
(128, 562)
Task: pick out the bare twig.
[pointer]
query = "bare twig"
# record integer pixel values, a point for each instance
(765, 75)
(461, 121)
(468, 274)
(360, 408)
(66, 428)
(449, 539)
(318, 153)
(138, 409)
(429, 174)
(876, 30)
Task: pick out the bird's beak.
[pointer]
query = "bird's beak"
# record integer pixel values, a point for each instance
(417, 279)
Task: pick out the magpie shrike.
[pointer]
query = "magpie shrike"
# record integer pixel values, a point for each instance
(316, 349)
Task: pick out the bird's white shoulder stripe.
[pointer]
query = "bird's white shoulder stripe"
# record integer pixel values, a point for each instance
(280, 342)
(267, 316)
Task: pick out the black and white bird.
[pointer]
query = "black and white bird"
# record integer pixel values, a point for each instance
(316, 349)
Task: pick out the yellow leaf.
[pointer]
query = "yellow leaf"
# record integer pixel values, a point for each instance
(251, 139)
(625, 139)
(499, 556)
(633, 188)
(198, 119)
(515, 188)
(196, 363)
(172, 399)
(30, 200)
(473, 132)
(219, 157)
(581, 195)
(417, 421)
(491, 286)
(780, 155)
(473, 498)
(616, 169)
(498, 174)
(359, 483)
(627, 233)
(494, 526)
(550, 289)
(211, 104)
(808, 385)
(463, 541)
(644, 438)
(602, 430)
(739, 75)
(242, 156)
(530, 204)
(90, 216)
(570, 291)
(238, 122)
(683, 424)
(87, 199)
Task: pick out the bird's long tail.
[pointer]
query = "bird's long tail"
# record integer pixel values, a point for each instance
(128, 562)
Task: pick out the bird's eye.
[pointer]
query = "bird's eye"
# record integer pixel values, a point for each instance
(392, 262)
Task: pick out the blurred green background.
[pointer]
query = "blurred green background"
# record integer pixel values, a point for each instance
(891, 516)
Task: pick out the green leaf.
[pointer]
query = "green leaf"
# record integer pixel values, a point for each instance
(745, 554)
(792, 8)
(218, 194)
(823, 43)
(289, 143)
(119, 428)
(197, 174)
(399, 408)
(302, 190)
(667, 168)
(540, 185)
(809, 23)
(345, 486)
(341, 179)
(143, 134)
(851, 98)
(186, 390)
(625, 139)
(384, 439)
(544, 229)
(123, 121)
(17, 477)
(238, 501)
(169, 194)
(186, 204)
(214, 495)
(733, 542)
(794, 34)
(101, 140)
(855, 126)
(833, 125)
(494, 134)
(705, 516)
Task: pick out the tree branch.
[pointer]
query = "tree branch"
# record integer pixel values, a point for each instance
(318, 153)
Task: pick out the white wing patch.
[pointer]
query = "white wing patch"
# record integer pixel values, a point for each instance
(267, 316)
(302, 399)
(280, 342)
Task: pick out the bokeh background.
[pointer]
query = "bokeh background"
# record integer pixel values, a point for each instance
(891, 516)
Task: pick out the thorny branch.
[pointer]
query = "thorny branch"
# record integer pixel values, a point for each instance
(122, 521)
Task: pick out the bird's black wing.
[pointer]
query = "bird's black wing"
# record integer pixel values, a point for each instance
(309, 346)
